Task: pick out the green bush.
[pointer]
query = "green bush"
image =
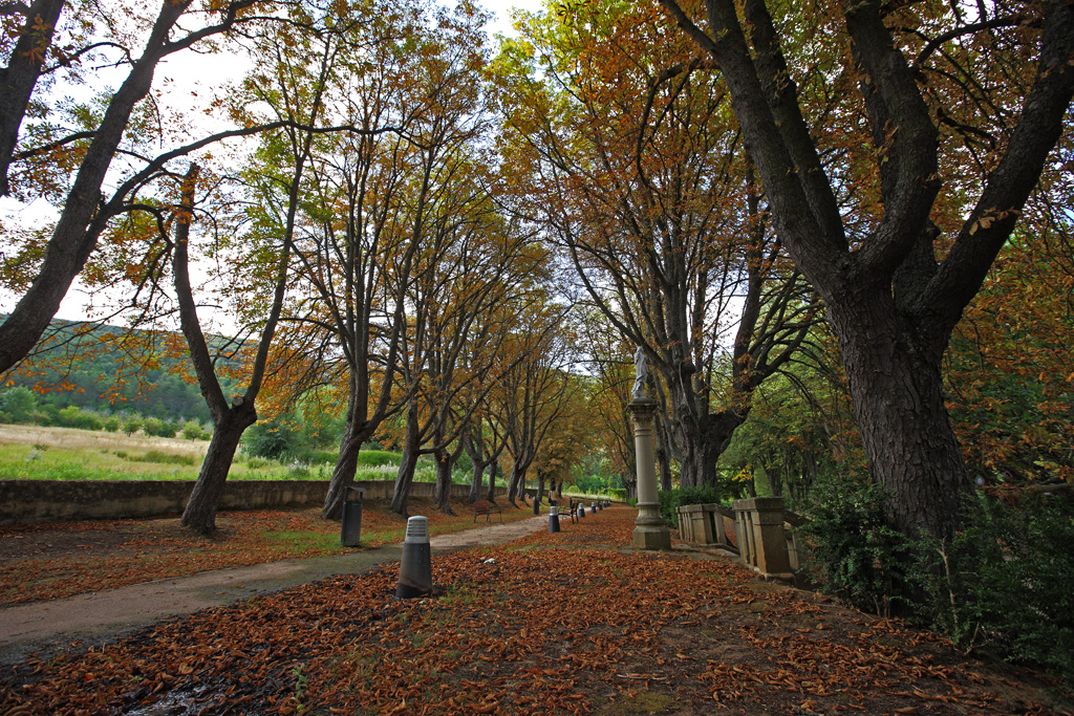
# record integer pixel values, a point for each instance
(19, 404)
(111, 424)
(855, 554)
(670, 500)
(272, 439)
(1006, 581)
(132, 424)
(376, 458)
(74, 417)
(192, 430)
(159, 428)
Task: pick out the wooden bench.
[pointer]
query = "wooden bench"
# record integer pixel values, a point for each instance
(486, 508)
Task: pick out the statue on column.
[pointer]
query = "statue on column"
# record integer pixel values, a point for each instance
(641, 371)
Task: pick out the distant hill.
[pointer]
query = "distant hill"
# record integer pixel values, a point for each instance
(111, 369)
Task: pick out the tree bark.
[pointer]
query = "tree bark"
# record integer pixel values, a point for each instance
(404, 478)
(200, 512)
(476, 483)
(897, 392)
(494, 469)
(518, 477)
(444, 465)
(344, 471)
(540, 495)
(18, 79)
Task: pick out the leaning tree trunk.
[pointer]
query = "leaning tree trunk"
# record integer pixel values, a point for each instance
(444, 465)
(345, 470)
(518, 477)
(897, 391)
(200, 512)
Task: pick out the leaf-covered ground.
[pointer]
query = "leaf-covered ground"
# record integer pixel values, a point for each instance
(566, 623)
(55, 560)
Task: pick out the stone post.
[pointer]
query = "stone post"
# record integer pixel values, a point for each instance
(650, 532)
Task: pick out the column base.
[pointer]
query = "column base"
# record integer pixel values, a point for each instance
(650, 531)
(651, 537)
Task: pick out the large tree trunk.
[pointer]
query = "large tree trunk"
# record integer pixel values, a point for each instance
(494, 469)
(346, 467)
(444, 465)
(897, 391)
(518, 477)
(404, 478)
(200, 512)
(477, 481)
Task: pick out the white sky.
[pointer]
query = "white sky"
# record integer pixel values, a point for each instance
(177, 77)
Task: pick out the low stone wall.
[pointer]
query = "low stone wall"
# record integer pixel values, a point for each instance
(42, 500)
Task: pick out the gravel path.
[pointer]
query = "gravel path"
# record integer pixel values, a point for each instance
(101, 616)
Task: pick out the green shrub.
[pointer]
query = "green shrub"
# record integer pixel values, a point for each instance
(376, 458)
(272, 439)
(131, 425)
(111, 424)
(159, 428)
(853, 551)
(192, 430)
(1006, 581)
(19, 403)
(74, 417)
(670, 500)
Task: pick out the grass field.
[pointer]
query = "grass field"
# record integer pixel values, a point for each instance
(47, 453)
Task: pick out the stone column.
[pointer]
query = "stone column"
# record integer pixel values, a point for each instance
(650, 532)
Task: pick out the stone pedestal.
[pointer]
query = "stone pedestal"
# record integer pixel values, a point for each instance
(650, 532)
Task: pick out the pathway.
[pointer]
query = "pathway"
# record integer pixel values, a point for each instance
(100, 616)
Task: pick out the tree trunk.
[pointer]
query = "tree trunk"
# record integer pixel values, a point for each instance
(539, 496)
(477, 481)
(897, 391)
(494, 469)
(17, 80)
(344, 471)
(444, 465)
(663, 455)
(404, 478)
(200, 512)
(518, 477)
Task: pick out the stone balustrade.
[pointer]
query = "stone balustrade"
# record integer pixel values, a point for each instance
(764, 535)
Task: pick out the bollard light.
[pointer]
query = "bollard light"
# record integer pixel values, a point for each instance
(553, 518)
(415, 567)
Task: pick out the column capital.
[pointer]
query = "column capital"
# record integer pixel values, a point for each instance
(643, 407)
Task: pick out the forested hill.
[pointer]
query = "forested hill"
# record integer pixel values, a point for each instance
(110, 369)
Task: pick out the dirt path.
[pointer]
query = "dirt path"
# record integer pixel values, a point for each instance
(101, 616)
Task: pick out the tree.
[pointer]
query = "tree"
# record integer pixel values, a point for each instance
(897, 279)
(636, 171)
(533, 391)
(85, 214)
(295, 93)
(18, 79)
